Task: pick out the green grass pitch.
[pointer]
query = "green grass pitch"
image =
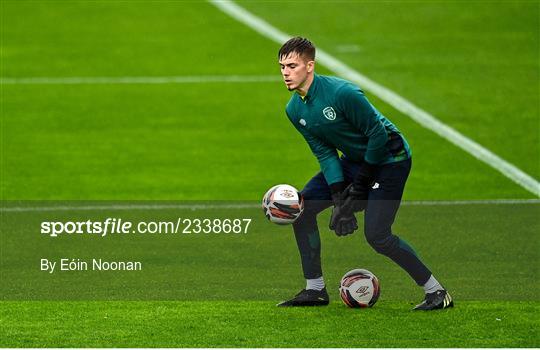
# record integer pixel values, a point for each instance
(475, 66)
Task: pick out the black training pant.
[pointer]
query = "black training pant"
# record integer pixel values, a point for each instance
(383, 203)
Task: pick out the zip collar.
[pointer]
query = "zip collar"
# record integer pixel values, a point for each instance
(312, 89)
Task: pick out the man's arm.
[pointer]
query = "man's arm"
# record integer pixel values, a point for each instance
(325, 154)
(359, 111)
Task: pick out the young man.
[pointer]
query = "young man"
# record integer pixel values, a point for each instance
(333, 114)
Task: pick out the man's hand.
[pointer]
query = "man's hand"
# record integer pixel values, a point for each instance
(343, 221)
(355, 198)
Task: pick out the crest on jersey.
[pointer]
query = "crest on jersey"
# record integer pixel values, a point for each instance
(329, 113)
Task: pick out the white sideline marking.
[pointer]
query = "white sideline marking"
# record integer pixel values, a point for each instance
(422, 117)
(141, 80)
(193, 207)
(473, 202)
(196, 207)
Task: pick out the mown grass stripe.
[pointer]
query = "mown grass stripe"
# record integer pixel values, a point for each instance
(195, 79)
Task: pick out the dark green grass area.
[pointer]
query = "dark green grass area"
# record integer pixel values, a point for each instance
(124, 38)
(472, 249)
(261, 324)
(222, 288)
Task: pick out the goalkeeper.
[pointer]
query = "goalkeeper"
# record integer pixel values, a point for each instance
(333, 114)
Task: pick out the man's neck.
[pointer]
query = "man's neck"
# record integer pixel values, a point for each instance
(303, 90)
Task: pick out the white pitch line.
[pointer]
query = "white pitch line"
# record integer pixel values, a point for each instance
(422, 117)
(197, 207)
(473, 202)
(192, 207)
(195, 79)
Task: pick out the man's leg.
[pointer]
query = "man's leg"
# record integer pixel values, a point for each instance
(383, 204)
(317, 197)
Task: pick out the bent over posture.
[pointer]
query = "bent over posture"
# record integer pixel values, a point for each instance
(333, 114)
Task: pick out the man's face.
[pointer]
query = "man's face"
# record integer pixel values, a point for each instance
(295, 70)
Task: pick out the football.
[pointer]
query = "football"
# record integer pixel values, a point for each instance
(282, 204)
(359, 288)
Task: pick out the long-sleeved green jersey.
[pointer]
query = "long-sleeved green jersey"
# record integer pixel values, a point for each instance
(335, 115)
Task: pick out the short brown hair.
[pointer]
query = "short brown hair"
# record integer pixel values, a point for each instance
(302, 46)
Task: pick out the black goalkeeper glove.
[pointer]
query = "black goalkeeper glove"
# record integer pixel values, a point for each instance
(355, 198)
(342, 221)
(356, 194)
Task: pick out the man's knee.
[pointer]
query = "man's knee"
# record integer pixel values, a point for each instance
(308, 218)
(307, 222)
(312, 207)
(383, 242)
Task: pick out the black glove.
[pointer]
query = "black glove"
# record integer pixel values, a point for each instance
(342, 221)
(355, 198)
(365, 176)
(356, 194)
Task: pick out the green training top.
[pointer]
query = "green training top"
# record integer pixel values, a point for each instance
(335, 115)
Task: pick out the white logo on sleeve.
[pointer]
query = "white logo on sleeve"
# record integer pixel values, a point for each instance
(375, 186)
(302, 122)
(329, 113)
